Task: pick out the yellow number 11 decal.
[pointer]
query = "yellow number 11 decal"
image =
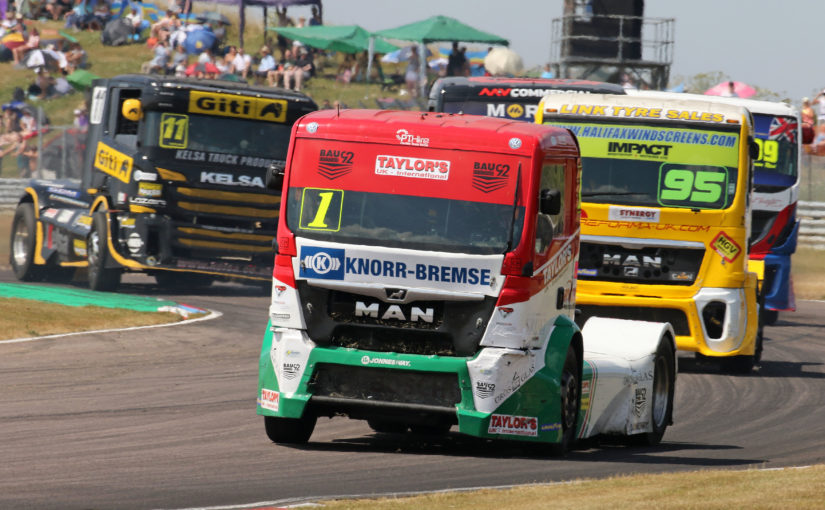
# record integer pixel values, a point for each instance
(321, 209)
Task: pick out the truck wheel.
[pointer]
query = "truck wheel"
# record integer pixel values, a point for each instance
(661, 405)
(290, 430)
(387, 427)
(22, 242)
(570, 402)
(771, 316)
(97, 250)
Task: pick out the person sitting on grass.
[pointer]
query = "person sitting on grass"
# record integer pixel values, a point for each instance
(300, 72)
(32, 43)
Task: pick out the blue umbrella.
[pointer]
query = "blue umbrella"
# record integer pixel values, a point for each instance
(198, 40)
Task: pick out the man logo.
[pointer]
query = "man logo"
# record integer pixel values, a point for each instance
(396, 294)
(323, 263)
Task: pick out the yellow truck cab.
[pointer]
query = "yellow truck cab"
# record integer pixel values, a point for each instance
(665, 189)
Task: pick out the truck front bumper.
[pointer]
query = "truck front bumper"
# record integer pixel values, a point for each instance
(296, 376)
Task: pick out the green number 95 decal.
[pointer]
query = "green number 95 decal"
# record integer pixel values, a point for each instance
(321, 209)
(174, 131)
(693, 186)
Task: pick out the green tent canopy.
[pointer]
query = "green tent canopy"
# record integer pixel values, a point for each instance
(81, 79)
(440, 28)
(345, 38)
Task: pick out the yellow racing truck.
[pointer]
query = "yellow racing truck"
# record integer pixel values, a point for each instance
(665, 188)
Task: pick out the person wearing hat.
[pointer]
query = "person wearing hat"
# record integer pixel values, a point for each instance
(807, 113)
(266, 64)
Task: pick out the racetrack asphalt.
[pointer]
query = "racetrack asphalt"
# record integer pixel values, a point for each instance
(165, 418)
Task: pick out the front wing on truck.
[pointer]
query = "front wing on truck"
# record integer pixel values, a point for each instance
(498, 393)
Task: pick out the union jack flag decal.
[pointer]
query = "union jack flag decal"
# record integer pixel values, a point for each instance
(783, 129)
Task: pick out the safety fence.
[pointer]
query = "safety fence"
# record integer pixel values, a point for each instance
(55, 153)
(812, 224)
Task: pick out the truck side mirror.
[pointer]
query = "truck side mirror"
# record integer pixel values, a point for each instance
(550, 201)
(132, 109)
(807, 134)
(275, 176)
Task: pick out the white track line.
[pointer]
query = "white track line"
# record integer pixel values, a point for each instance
(213, 314)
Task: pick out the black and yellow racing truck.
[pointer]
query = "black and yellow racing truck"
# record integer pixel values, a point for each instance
(173, 185)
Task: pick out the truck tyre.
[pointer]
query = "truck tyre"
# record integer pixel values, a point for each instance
(97, 251)
(570, 402)
(661, 403)
(22, 243)
(771, 316)
(290, 430)
(387, 427)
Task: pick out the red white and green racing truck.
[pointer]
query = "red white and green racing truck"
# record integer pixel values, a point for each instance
(425, 278)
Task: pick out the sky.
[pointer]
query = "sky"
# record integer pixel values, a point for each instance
(766, 43)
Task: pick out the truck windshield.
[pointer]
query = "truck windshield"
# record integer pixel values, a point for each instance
(216, 135)
(658, 165)
(402, 221)
(776, 138)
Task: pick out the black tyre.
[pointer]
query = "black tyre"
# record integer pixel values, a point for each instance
(22, 244)
(290, 430)
(174, 280)
(97, 251)
(661, 401)
(771, 316)
(570, 402)
(387, 427)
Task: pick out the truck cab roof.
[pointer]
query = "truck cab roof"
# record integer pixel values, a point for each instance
(427, 130)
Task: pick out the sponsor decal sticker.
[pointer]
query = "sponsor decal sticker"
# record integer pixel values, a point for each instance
(333, 264)
(419, 168)
(513, 425)
(641, 402)
(333, 164)
(406, 138)
(515, 111)
(549, 427)
(79, 246)
(640, 214)
(270, 399)
(149, 189)
(366, 360)
(725, 246)
(291, 370)
(638, 150)
(65, 215)
(490, 176)
(485, 389)
(49, 213)
(230, 105)
(113, 162)
(246, 181)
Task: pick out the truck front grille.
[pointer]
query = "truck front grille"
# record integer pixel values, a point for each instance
(386, 385)
(651, 265)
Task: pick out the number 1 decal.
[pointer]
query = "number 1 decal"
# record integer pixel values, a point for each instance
(702, 186)
(321, 209)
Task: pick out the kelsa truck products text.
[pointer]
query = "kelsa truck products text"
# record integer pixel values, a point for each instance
(425, 279)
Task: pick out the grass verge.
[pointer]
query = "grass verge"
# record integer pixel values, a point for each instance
(753, 489)
(26, 318)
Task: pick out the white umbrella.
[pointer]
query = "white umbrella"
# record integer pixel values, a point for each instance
(503, 62)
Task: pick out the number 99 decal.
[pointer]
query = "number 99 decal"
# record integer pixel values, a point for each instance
(693, 186)
(321, 209)
(768, 153)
